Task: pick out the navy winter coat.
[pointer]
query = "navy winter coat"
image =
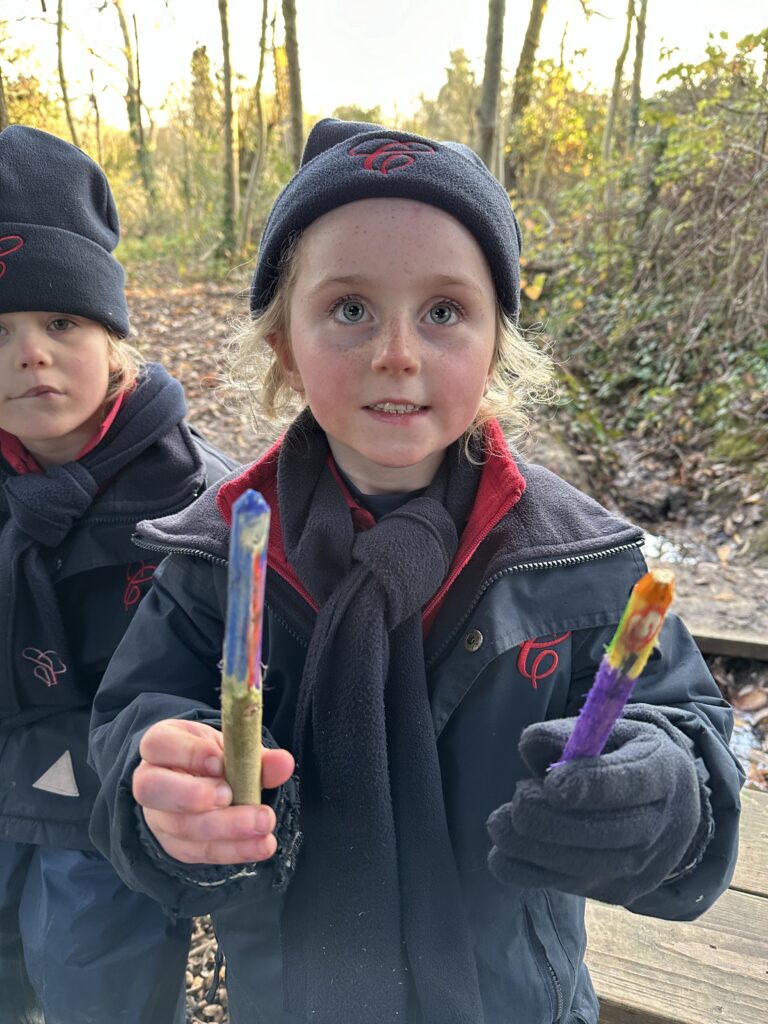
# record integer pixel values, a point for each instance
(46, 786)
(516, 640)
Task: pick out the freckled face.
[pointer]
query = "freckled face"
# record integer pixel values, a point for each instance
(54, 375)
(392, 337)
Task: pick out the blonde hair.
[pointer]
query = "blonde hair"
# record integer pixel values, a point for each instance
(128, 364)
(522, 374)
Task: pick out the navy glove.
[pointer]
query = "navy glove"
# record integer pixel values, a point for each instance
(612, 827)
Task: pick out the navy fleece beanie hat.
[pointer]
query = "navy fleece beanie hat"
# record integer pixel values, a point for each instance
(58, 228)
(344, 161)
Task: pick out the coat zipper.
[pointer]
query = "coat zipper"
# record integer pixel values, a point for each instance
(552, 563)
(216, 560)
(167, 549)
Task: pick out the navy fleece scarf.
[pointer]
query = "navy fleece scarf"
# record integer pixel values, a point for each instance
(374, 924)
(37, 511)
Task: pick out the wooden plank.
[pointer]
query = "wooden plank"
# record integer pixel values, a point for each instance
(710, 971)
(752, 869)
(715, 601)
(728, 645)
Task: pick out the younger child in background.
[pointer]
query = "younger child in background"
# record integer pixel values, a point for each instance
(435, 612)
(91, 440)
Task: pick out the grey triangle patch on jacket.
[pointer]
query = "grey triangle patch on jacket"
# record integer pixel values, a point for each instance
(59, 778)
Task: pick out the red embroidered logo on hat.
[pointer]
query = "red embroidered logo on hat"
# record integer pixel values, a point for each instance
(48, 665)
(387, 155)
(9, 244)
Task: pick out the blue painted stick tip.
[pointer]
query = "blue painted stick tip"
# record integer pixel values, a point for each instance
(250, 502)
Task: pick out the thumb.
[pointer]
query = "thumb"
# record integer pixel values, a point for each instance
(542, 743)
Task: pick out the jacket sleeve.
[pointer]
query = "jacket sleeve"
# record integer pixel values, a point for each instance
(167, 667)
(678, 683)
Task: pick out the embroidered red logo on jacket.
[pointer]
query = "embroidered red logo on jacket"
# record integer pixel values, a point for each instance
(9, 244)
(543, 658)
(48, 665)
(137, 574)
(389, 155)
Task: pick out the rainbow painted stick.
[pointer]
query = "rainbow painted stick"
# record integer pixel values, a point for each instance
(241, 697)
(624, 660)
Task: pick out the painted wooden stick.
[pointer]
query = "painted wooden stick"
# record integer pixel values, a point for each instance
(241, 696)
(624, 660)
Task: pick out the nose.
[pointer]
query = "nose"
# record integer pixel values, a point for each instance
(397, 349)
(32, 350)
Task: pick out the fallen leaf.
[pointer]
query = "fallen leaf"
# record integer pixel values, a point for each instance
(751, 698)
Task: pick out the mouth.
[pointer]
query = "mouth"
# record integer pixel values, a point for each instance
(40, 389)
(396, 408)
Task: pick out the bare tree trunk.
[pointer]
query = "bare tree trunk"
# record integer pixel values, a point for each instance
(231, 191)
(62, 76)
(133, 107)
(489, 98)
(4, 119)
(97, 116)
(257, 164)
(634, 103)
(294, 78)
(616, 93)
(522, 86)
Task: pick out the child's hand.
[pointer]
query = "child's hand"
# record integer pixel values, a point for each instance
(187, 803)
(612, 827)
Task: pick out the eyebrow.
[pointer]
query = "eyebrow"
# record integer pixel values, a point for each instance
(355, 280)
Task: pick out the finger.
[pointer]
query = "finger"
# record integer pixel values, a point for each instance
(236, 851)
(532, 816)
(542, 743)
(277, 766)
(164, 789)
(227, 824)
(190, 747)
(591, 866)
(631, 775)
(530, 876)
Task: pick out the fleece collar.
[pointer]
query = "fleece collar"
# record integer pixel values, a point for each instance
(500, 488)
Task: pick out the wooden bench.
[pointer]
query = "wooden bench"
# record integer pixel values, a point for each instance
(710, 971)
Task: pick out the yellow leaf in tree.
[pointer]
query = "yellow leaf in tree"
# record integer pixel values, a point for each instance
(534, 289)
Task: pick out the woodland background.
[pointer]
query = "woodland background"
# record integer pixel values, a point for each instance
(645, 220)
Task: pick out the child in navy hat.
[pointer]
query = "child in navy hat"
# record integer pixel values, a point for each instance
(435, 612)
(92, 439)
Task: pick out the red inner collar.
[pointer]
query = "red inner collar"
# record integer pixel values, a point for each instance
(501, 486)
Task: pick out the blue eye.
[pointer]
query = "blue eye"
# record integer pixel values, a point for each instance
(62, 324)
(441, 313)
(351, 311)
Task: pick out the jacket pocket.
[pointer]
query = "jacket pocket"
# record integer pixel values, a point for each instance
(556, 931)
(547, 971)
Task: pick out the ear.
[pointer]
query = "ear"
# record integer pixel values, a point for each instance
(281, 346)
